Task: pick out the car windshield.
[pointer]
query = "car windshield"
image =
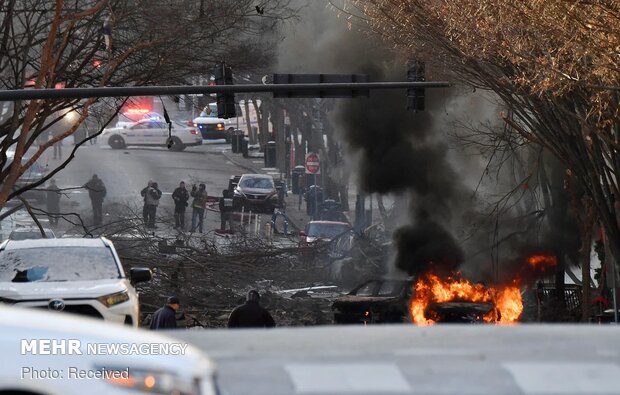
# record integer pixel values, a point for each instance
(257, 183)
(209, 111)
(33, 171)
(30, 234)
(367, 289)
(47, 264)
(327, 231)
(391, 288)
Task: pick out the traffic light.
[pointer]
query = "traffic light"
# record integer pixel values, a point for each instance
(415, 96)
(225, 101)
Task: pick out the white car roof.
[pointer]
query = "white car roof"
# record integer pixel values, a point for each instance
(209, 120)
(68, 242)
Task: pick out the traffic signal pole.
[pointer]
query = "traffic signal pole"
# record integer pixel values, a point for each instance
(124, 91)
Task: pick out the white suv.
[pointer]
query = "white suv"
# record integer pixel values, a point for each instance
(80, 276)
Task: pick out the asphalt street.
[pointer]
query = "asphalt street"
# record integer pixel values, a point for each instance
(403, 359)
(125, 172)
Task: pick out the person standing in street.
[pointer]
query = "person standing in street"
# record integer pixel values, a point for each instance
(52, 197)
(251, 314)
(145, 217)
(180, 197)
(96, 192)
(153, 194)
(199, 204)
(165, 317)
(226, 209)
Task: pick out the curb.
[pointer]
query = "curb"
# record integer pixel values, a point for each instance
(237, 163)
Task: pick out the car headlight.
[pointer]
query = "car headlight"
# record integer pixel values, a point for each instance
(114, 299)
(155, 382)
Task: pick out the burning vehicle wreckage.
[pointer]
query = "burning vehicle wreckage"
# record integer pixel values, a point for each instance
(442, 294)
(306, 288)
(431, 298)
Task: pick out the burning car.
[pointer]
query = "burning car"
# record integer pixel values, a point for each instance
(455, 299)
(460, 312)
(427, 300)
(375, 301)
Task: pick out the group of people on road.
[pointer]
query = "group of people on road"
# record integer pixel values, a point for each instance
(96, 192)
(181, 196)
(248, 315)
(151, 195)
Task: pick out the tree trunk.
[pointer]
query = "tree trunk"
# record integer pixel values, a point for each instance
(586, 247)
(248, 121)
(277, 121)
(262, 115)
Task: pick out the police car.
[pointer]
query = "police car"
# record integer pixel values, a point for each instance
(154, 133)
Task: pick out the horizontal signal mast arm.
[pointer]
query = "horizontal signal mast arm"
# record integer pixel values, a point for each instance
(83, 93)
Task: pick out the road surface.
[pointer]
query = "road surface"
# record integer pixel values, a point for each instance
(125, 172)
(403, 359)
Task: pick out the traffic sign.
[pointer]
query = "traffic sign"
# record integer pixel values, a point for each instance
(313, 165)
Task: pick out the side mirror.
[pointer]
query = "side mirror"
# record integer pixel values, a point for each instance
(140, 274)
(302, 234)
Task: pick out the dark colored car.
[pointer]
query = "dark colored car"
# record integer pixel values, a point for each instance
(375, 301)
(459, 312)
(256, 193)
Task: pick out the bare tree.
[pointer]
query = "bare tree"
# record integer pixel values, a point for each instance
(552, 63)
(110, 43)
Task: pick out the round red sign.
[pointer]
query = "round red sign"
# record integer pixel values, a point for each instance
(312, 163)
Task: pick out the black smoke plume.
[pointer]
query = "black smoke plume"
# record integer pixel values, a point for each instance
(402, 151)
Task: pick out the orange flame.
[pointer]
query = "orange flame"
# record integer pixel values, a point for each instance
(505, 300)
(542, 262)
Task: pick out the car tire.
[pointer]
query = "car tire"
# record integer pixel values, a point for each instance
(117, 142)
(177, 145)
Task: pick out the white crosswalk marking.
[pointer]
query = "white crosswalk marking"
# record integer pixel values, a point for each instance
(330, 378)
(565, 377)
